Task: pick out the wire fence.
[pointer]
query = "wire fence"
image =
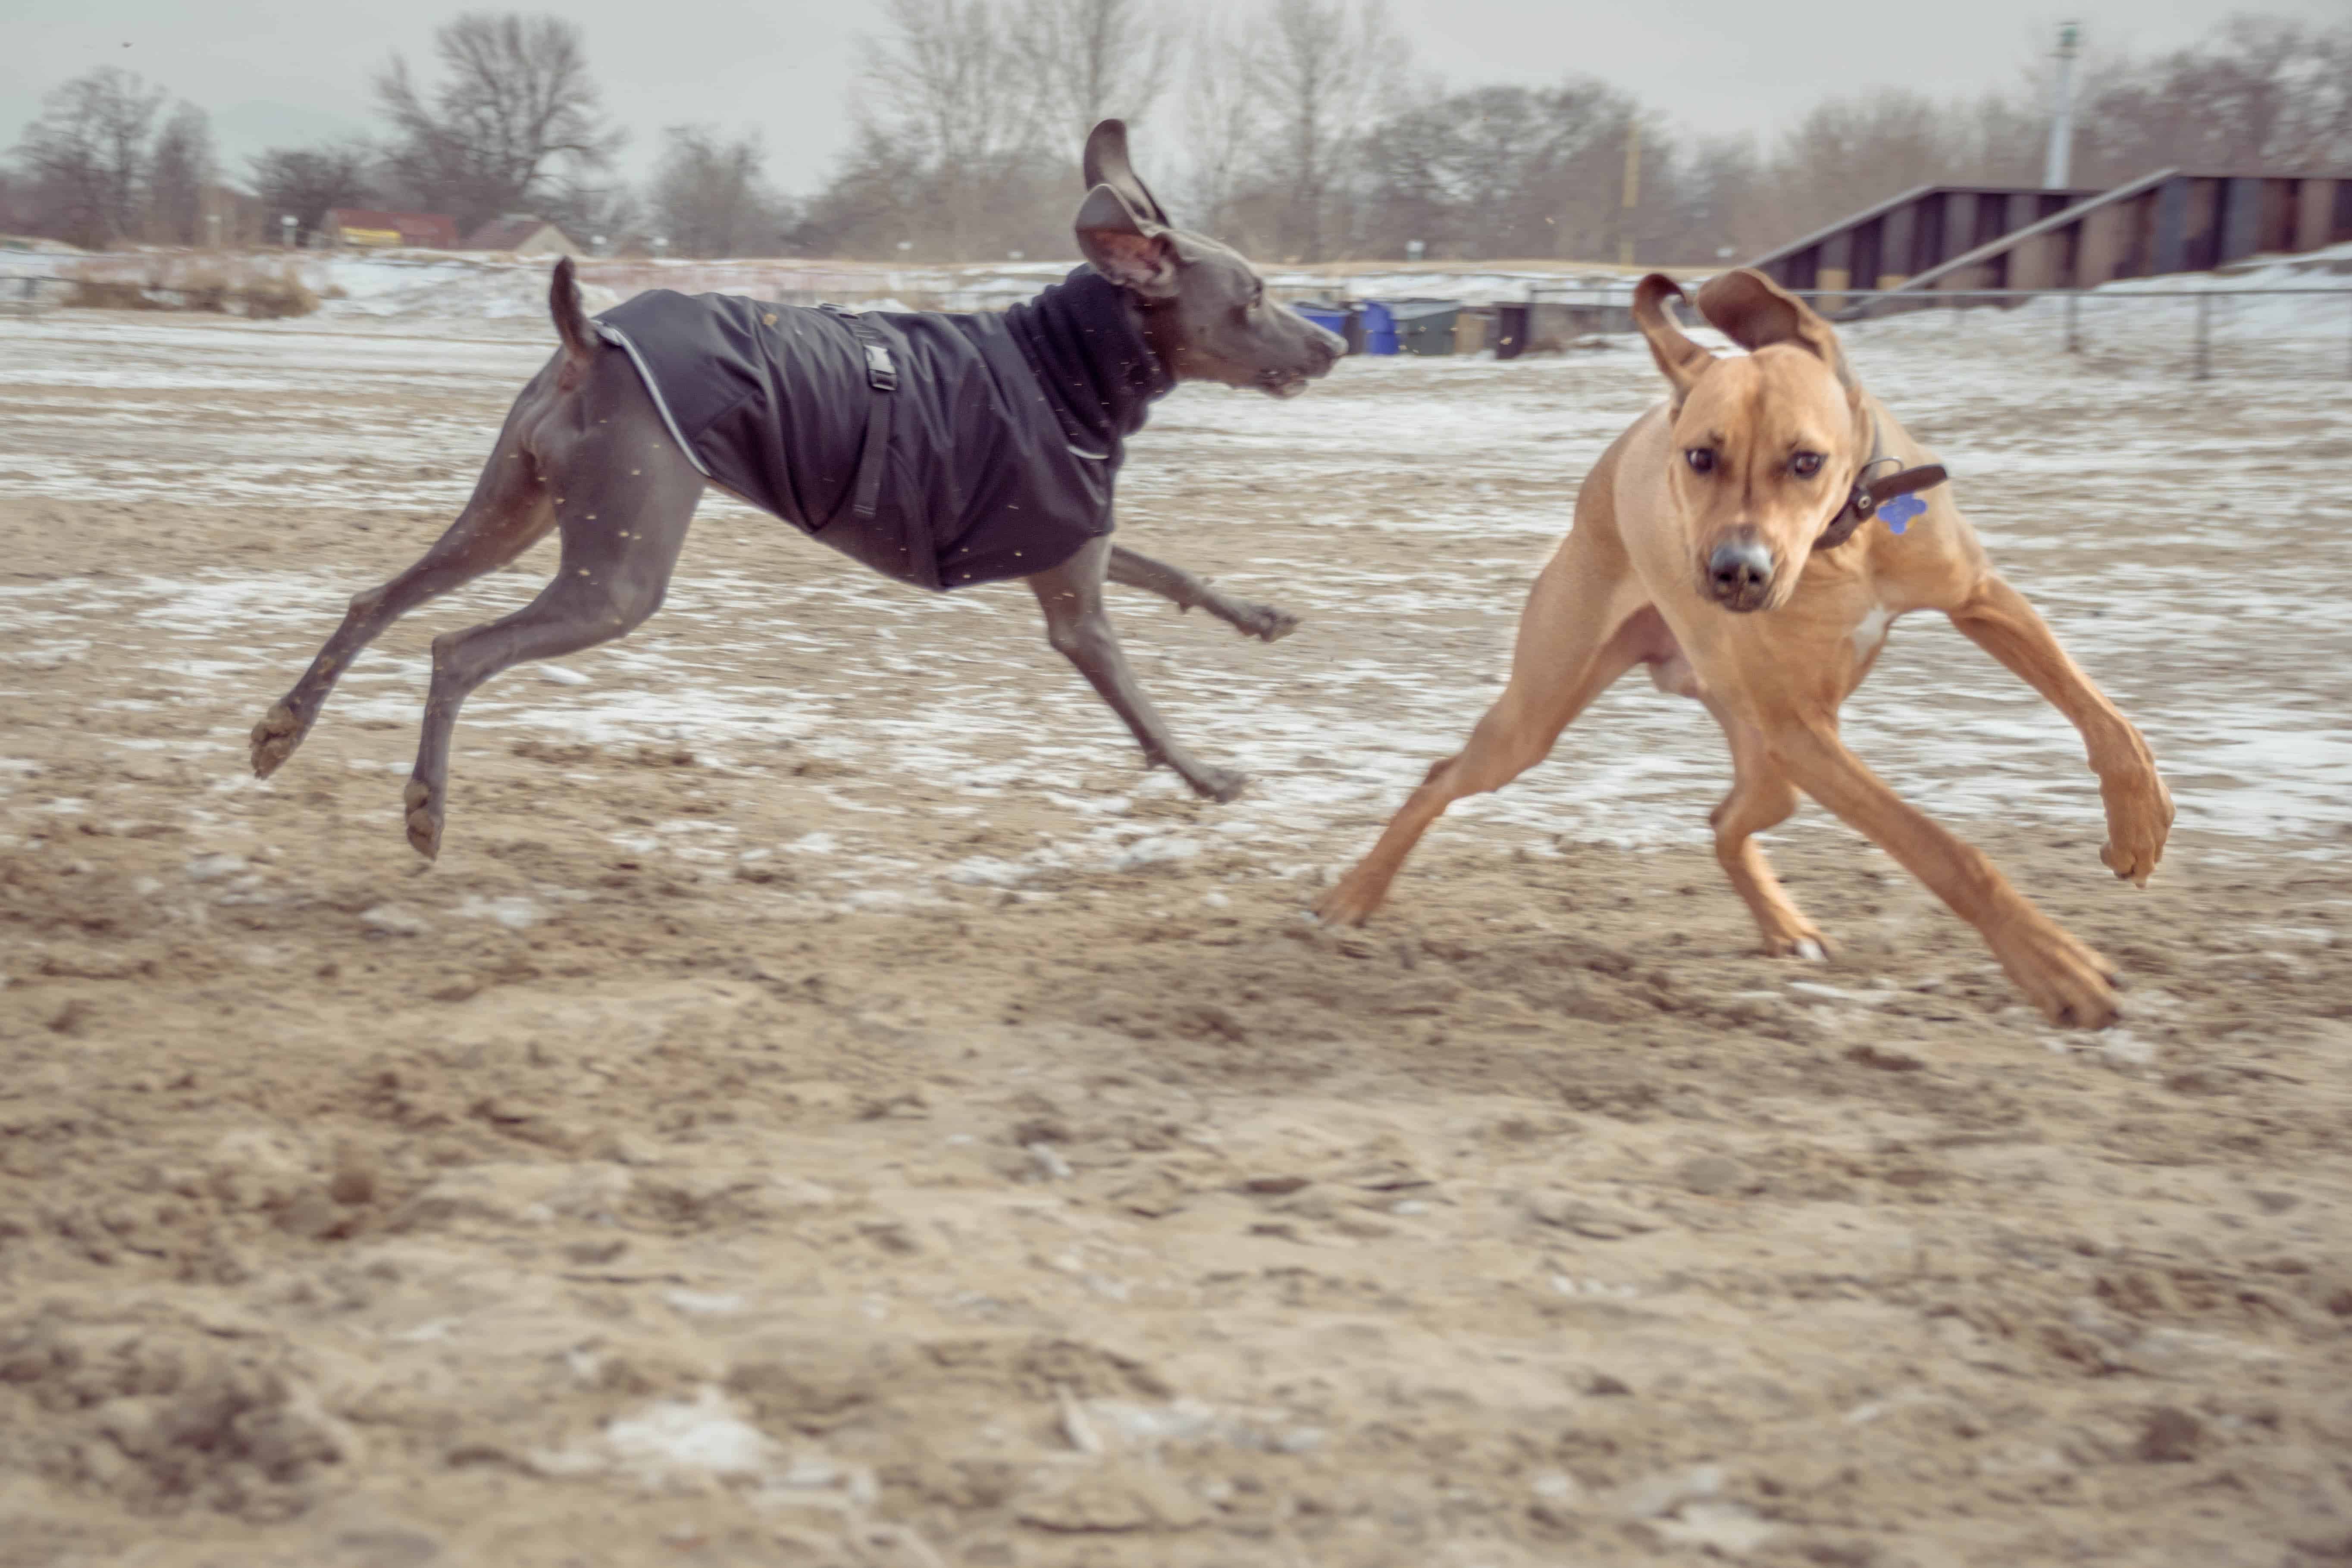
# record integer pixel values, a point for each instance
(2195, 332)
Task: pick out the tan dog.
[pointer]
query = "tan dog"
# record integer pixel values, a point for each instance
(1703, 547)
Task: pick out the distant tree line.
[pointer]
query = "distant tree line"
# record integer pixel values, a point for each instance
(1295, 128)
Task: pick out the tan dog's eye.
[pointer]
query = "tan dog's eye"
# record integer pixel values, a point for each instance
(1805, 464)
(1701, 460)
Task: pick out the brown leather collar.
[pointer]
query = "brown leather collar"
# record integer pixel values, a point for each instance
(1862, 502)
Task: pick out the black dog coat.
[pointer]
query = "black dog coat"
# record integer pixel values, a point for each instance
(1005, 432)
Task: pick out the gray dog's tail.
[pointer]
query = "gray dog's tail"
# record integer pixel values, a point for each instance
(570, 320)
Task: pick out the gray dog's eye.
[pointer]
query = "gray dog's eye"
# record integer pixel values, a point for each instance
(1701, 460)
(1805, 464)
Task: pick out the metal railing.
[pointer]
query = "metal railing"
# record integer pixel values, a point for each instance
(2202, 316)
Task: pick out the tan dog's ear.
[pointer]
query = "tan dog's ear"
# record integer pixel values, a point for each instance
(1682, 360)
(1754, 312)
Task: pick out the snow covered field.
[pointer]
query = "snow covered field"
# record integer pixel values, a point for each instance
(828, 1105)
(2089, 486)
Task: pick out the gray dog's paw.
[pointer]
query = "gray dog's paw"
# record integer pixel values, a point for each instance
(1265, 623)
(274, 739)
(1220, 784)
(424, 807)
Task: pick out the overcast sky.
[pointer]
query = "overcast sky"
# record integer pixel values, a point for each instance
(277, 72)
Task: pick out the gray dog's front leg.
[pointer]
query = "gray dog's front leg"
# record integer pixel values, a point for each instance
(1182, 588)
(1080, 630)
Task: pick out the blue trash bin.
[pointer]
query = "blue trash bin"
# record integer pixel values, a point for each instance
(1323, 313)
(1380, 328)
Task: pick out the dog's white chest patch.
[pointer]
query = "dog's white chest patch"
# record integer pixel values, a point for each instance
(1871, 630)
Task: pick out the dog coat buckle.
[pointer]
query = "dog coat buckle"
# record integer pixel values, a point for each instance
(865, 496)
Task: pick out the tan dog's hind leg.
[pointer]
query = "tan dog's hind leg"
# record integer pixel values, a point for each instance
(2139, 809)
(1761, 796)
(2061, 975)
(1584, 625)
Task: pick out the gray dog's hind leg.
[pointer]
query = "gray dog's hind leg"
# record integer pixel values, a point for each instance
(1185, 591)
(1080, 630)
(509, 512)
(628, 495)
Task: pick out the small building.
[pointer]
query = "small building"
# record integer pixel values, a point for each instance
(366, 230)
(519, 234)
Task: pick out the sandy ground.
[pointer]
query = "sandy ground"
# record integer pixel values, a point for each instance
(828, 1106)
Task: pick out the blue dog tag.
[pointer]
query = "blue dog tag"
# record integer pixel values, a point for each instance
(1898, 511)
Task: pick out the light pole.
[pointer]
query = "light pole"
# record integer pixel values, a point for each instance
(1633, 192)
(2062, 118)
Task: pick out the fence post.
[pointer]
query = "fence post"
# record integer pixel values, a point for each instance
(2074, 323)
(2204, 370)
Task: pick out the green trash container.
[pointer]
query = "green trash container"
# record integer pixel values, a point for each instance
(1511, 319)
(1425, 326)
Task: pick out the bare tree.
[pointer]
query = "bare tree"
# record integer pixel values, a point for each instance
(1847, 153)
(874, 199)
(1326, 64)
(17, 214)
(306, 181)
(1225, 120)
(1720, 204)
(2260, 92)
(1090, 59)
(939, 102)
(711, 197)
(593, 209)
(181, 171)
(2323, 127)
(1510, 171)
(515, 107)
(87, 156)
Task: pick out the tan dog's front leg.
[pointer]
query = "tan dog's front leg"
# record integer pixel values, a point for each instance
(2061, 975)
(1761, 797)
(1583, 626)
(2139, 809)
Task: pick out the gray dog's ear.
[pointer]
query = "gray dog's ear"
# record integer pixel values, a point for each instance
(1132, 251)
(1107, 165)
(1755, 312)
(1682, 360)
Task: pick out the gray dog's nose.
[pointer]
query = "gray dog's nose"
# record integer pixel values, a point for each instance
(1739, 571)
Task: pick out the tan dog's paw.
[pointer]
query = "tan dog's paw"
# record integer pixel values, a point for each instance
(1352, 902)
(2139, 818)
(2061, 975)
(1808, 944)
(1792, 935)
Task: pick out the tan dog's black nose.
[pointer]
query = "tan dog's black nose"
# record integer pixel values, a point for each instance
(1738, 573)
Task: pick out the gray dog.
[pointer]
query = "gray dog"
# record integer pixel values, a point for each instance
(940, 449)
